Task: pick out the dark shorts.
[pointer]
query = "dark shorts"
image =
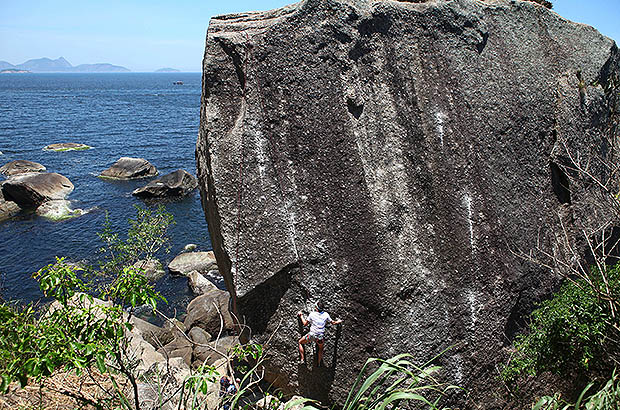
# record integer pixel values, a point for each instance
(310, 337)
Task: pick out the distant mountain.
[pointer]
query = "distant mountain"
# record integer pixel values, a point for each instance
(100, 68)
(4, 65)
(167, 70)
(46, 65)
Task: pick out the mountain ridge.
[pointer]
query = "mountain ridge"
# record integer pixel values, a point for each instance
(47, 65)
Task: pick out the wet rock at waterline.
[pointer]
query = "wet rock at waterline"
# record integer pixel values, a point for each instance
(175, 184)
(7, 208)
(31, 190)
(21, 166)
(58, 210)
(190, 261)
(66, 146)
(130, 168)
(387, 153)
(151, 269)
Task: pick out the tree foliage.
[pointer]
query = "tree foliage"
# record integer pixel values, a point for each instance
(578, 329)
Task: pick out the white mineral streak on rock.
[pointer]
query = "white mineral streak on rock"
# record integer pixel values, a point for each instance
(474, 307)
(440, 118)
(467, 203)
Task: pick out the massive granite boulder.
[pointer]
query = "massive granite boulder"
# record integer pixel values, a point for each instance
(386, 157)
(31, 190)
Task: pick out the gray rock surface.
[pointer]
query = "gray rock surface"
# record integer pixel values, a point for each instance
(130, 168)
(31, 190)
(199, 284)
(381, 156)
(21, 166)
(7, 208)
(209, 311)
(199, 335)
(177, 183)
(216, 350)
(186, 262)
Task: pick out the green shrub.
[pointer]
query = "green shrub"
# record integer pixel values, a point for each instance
(577, 329)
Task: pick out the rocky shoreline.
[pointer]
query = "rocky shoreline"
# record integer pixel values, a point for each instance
(29, 187)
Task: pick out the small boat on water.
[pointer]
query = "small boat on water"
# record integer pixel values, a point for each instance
(177, 82)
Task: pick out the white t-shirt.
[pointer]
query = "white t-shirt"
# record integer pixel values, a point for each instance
(317, 322)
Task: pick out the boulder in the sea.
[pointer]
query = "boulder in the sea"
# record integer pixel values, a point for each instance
(21, 166)
(190, 247)
(189, 261)
(66, 146)
(206, 311)
(175, 184)
(152, 269)
(130, 168)
(31, 190)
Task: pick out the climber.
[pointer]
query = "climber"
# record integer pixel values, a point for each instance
(317, 321)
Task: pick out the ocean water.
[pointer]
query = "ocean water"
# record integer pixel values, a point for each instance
(127, 114)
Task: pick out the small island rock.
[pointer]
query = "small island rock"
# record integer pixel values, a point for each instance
(130, 168)
(21, 166)
(177, 183)
(31, 190)
(66, 146)
(190, 261)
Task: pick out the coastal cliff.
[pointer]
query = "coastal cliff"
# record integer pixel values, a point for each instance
(388, 157)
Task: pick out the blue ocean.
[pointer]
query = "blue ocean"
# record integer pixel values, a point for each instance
(130, 114)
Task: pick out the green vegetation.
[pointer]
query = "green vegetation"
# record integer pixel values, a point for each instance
(147, 235)
(607, 398)
(76, 333)
(575, 332)
(577, 329)
(394, 381)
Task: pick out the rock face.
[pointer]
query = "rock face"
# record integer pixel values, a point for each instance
(177, 183)
(381, 156)
(21, 166)
(130, 168)
(31, 190)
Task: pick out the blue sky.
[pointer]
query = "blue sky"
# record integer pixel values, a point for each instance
(144, 35)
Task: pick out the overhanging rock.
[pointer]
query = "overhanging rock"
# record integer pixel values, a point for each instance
(381, 156)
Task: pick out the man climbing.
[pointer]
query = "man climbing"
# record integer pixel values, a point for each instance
(317, 321)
